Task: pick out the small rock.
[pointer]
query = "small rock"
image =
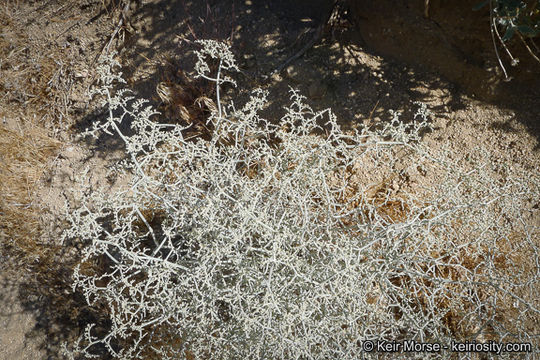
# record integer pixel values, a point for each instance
(276, 77)
(291, 71)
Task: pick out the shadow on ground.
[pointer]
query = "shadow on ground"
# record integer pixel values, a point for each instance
(361, 74)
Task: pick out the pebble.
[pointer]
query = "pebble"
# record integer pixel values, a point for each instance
(291, 71)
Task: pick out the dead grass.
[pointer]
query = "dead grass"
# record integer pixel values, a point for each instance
(185, 101)
(24, 157)
(36, 83)
(29, 79)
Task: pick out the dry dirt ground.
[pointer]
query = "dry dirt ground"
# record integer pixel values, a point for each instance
(384, 56)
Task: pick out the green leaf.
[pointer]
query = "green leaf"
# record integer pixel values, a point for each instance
(480, 5)
(509, 33)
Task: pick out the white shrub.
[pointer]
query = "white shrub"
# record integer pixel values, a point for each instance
(291, 240)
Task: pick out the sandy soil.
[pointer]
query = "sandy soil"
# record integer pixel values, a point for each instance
(360, 69)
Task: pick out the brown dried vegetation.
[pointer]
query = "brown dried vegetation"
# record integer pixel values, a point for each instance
(24, 156)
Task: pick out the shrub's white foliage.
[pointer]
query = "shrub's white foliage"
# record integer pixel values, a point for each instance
(215, 50)
(254, 245)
